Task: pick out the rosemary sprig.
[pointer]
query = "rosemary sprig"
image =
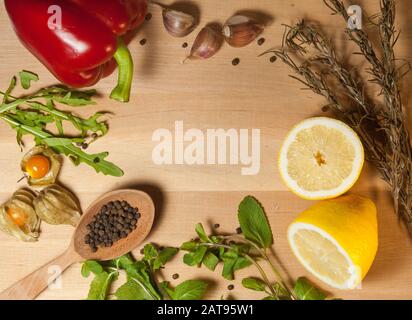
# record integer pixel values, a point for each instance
(381, 125)
(34, 113)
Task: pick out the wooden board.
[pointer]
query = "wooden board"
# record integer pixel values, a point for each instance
(203, 94)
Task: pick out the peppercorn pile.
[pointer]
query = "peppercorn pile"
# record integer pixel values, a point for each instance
(115, 221)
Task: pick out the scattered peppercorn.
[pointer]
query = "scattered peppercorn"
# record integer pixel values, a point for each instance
(239, 230)
(235, 61)
(110, 224)
(85, 146)
(148, 17)
(143, 42)
(175, 276)
(230, 287)
(261, 41)
(185, 45)
(325, 109)
(95, 136)
(273, 59)
(216, 225)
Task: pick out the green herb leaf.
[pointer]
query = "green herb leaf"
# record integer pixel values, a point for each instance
(281, 291)
(269, 298)
(170, 292)
(157, 259)
(100, 285)
(164, 256)
(190, 290)
(254, 284)
(254, 224)
(26, 77)
(131, 290)
(202, 233)
(91, 266)
(210, 260)
(196, 257)
(306, 291)
(189, 245)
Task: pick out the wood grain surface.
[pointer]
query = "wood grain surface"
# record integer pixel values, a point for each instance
(204, 94)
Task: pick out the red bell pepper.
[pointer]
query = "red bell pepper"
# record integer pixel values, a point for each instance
(87, 44)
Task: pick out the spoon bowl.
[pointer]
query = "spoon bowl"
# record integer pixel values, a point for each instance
(137, 199)
(32, 285)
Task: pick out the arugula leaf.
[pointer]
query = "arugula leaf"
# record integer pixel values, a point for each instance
(306, 291)
(254, 224)
(36, 118)
(131, 290)
(254, 284)
(190, 290)
(26, 77)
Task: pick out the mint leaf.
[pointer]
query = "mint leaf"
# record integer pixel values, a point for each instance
(150, 252)
(100, 285)
(210, 261)
(254, 284)
(196, 257)
(254, 224)
(164, 256)
(202, 233)
(91, 266)
(189, 245)
(131, 290)
(26, 77)
(190, 290)
(165, 285)
(306, 291)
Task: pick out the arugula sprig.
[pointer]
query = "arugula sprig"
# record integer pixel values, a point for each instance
(34, 114)
(236, 252)
(141, 275)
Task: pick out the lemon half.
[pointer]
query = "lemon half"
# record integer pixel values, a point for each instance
(337, 240)
(321, 158)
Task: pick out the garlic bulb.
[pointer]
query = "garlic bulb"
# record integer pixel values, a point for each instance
(18, 217)
(57, 205)
(178, 24)
(206, 44)
(239, 31)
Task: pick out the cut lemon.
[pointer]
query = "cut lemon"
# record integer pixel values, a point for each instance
(321, 158)
(337, 240)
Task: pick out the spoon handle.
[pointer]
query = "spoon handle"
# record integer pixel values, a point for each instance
(35, 283)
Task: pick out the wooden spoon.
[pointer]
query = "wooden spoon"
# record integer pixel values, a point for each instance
(35, 283)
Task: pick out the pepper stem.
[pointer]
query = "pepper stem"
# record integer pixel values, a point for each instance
(125, 64)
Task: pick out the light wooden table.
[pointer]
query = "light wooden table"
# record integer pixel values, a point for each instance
(203, 94)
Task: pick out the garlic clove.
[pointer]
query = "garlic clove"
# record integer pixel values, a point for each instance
(206, 44)
(240, 30)
(178, 24)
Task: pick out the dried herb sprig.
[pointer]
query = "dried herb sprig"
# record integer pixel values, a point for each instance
(381, 125)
